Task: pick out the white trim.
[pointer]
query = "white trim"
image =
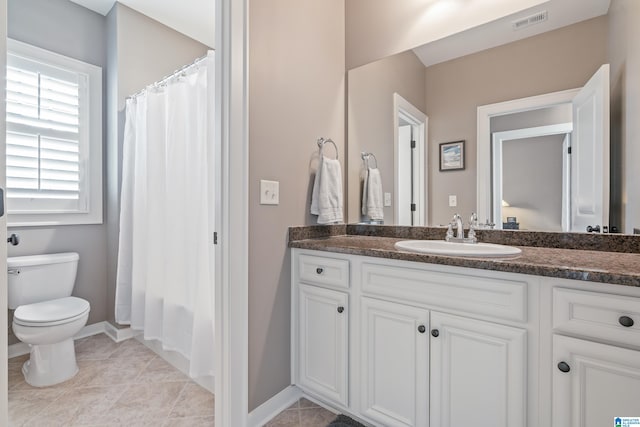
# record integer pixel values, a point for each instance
(483, 137)
(272, 407)
(510, 135)
(232, 216)
(91, 142)
(403, 108)
(118, 335)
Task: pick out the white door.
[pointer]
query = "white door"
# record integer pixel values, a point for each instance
(590, 154)
(404, 198)
(395, 360)
(478, 373)
(601, 382)
(323, 342)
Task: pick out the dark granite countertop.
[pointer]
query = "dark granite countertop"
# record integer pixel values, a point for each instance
(577, 264)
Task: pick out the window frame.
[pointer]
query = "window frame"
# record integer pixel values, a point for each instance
(90, 144)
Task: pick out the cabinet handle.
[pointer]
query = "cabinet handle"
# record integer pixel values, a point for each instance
(435, 333)
(626, 321)
(340, 309)
(422, 329)
(319, 270)
(564, 367)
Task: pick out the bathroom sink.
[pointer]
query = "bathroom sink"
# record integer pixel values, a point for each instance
(441, 247)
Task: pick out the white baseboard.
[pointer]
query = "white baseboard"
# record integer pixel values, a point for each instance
(112, 332)
(119, 335)
(272, 407)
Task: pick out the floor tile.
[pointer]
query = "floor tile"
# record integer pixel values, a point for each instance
(118, 384)
(158, 370)
(96, 347)
(193, 401)
(287, 418)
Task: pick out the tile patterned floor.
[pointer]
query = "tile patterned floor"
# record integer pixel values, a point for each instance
(126, 384)
(119, 384)
(303, 413)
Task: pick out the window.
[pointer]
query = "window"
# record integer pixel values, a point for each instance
(54, 138)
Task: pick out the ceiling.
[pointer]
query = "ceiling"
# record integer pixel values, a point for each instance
(194, 18)
(498, 32)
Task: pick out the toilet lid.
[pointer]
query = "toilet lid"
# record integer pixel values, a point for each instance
(47, 312)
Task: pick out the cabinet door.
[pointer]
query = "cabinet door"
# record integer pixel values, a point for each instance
(602, 382)
(478, 373)
(394, 353)
(323, 342)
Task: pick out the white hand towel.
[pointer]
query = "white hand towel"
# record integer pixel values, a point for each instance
(326, 200)
(372, 195)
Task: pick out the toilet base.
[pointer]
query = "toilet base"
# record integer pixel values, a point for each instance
(50, 364)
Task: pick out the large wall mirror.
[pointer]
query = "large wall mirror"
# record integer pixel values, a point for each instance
(536, 145)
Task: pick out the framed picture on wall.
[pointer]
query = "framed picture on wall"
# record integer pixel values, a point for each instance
(452, 156)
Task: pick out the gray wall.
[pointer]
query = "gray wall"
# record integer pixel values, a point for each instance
(624, 57)
(71, 30)
(532, 182)
(370, 114)
(562, 59)
(297, 93)
(141, 51)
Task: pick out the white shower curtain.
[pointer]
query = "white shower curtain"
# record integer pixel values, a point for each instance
(165, 260)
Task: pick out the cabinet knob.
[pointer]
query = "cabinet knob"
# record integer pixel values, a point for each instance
(319, 270)
(626, 321)
(340, 309)
(435, 333)
(564, 367)
(422, 329)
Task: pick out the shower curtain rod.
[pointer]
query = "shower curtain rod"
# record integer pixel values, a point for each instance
(173, 75)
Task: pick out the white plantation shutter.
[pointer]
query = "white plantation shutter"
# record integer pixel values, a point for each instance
(48, 134)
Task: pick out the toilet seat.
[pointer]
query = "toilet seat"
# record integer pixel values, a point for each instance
(50, 313)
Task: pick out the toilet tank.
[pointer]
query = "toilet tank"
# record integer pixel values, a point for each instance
(37, 278)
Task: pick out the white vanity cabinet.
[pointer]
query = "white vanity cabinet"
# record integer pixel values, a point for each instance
(427, 345)
(596, 377)
(394, 354)
(320, 329)
(323, 342)
(478, 373)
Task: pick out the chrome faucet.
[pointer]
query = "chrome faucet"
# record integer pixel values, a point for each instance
(459, 235)
(457, 220)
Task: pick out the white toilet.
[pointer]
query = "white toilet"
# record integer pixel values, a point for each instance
(46, 315)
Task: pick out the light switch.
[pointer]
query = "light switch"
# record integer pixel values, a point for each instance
(387, 199)
(453, 200)
(269, 192)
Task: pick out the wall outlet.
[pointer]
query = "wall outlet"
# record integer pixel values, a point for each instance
(387, 199)
(453, 200)
(269, 192)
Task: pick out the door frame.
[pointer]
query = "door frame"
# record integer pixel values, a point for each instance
(4, 393)
(232, 220)
(484, 115)
(500, 137)
(403, 109)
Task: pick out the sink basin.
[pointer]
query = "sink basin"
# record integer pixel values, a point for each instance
(441, 247)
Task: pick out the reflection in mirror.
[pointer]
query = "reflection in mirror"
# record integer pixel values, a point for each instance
(532, 63)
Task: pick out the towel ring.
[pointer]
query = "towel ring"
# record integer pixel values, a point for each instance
(323, 141)
(367, 156)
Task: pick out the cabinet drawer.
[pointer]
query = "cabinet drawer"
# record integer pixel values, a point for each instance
(324, 271)
(488, 296)
(597, 315)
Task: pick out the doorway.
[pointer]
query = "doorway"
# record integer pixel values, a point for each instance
(410, 163)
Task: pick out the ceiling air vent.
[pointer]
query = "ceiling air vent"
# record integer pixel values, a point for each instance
(530, 20)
